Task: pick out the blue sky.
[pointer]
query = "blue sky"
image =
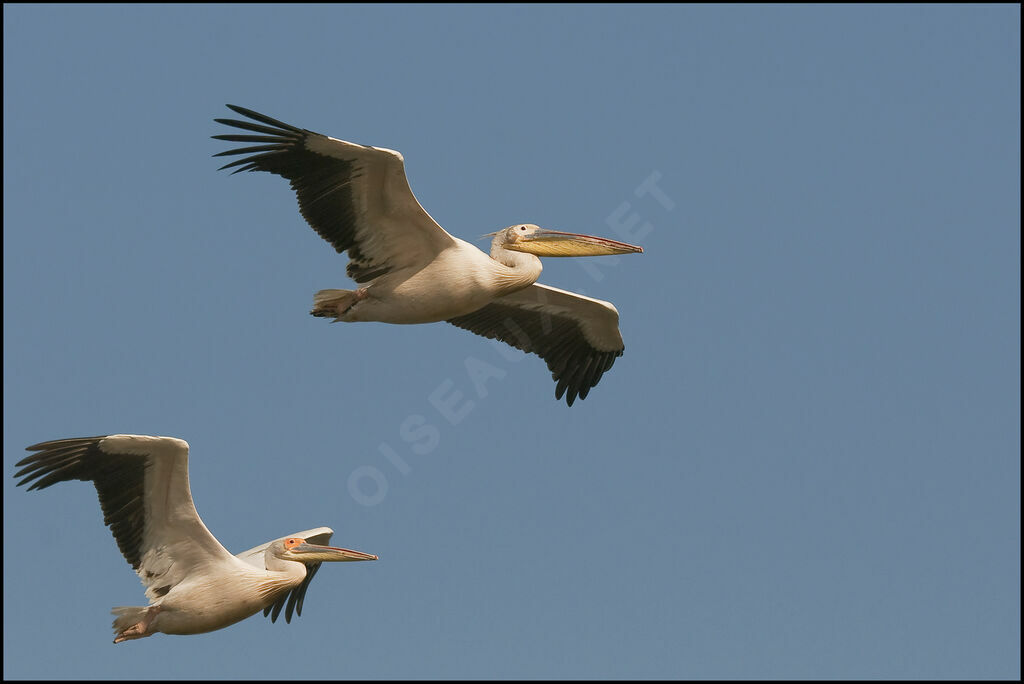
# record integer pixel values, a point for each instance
(805, 465)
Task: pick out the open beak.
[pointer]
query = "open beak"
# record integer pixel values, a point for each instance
(312, 552)
(554, 243)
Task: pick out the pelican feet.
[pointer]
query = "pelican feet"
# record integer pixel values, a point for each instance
(141, 628)
(336, 303)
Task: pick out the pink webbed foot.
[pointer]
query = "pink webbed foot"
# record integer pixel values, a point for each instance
(345, 304)
(357, 296)
(336, 303)
(139, 629)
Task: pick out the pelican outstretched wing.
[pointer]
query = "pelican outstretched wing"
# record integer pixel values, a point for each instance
(354, 196)
(577, 336)
(142, 483)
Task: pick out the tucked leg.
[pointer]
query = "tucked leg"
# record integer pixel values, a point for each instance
(141, 628)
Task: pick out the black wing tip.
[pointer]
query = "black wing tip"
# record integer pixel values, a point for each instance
(288, 603)
(45, 450)
(65, 441)
(262, 118)
(274, 609)
(244, 111)
(573, 394)
(578, 384)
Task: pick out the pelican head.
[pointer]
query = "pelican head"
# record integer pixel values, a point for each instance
(298, 549)
(526, 237)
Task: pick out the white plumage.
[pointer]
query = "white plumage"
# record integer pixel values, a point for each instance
(193, 583)
(412, 271)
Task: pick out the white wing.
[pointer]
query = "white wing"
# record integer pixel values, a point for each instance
(577, 336)
(354, 196)
(143, 489)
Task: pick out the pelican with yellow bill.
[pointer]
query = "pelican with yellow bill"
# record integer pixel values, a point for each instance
(410, 270)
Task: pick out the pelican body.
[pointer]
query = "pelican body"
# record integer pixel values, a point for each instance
(411, 271)
(193, 583)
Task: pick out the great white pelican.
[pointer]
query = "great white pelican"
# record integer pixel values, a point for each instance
(193, 583)
(410, 270)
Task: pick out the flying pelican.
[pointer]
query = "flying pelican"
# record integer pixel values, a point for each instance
(193, 584)
(412, 271)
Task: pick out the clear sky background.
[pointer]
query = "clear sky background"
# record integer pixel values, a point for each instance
(806, 464)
